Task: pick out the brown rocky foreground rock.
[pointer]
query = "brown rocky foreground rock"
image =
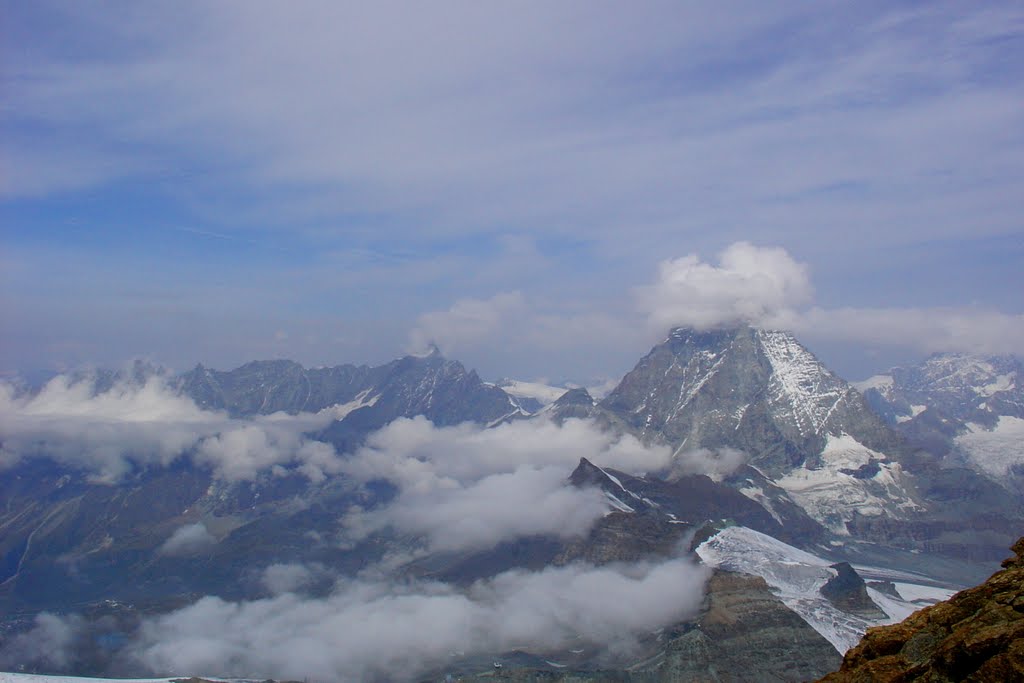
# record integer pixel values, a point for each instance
(976, 635)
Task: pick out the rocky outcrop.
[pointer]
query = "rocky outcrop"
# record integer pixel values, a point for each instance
(745, 633)
(977, 635)
(847, 591)
(758, 391)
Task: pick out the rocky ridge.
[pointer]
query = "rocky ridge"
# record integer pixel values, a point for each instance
(967, 408)
(977, 635)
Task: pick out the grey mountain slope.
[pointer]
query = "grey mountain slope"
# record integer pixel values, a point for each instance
(758, 391)
(579, 404)
(967, 409)
(968, 387)
(742, 633)
(265, 387)
(440, 389)
(764, 394)
(696, 500)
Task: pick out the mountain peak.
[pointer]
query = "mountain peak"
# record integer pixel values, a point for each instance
(760, 391)
(586, 473)
(432, 351)
(575, 397)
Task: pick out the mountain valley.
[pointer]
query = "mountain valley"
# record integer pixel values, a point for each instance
(800, 508)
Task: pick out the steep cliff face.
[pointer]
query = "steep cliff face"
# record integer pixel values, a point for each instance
(977, 635)
(744, 633)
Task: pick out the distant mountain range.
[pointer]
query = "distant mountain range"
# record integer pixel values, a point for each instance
(969, 409)
(916, 471)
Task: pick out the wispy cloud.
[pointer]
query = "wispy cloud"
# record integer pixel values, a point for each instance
(470, 488)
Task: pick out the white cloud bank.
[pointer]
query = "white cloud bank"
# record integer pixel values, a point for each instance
(368, 630)
(49, 644)
(460, 488)
(716, 464)
(466, 487)
(130, 424)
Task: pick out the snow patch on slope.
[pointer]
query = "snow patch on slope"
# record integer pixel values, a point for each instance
(879, 382)
(1001, 383)
(993, 452)
(339, 410)
(545, 394)
(796, 578)
(800, 385)
(841, 487)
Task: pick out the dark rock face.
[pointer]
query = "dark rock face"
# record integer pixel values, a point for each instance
(744, 633)
(441, 389)
(626, 537)
(692, 500)
(848, 592)
(87, 537)
(977, 635)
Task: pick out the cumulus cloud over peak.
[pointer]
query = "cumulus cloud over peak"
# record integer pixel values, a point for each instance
(767, 287)
(750, 284)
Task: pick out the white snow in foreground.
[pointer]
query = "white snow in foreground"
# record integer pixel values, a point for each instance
(796, 577)
(993, 452)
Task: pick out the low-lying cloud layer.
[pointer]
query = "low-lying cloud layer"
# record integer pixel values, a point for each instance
(459, 488)
(50, 643)
(370, 630)
(717, 464)
(466, 487)
(129, 424)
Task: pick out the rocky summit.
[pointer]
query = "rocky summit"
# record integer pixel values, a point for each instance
(977, 635)
(757, 390)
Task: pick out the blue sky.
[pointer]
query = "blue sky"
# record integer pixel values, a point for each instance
(339, 182)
